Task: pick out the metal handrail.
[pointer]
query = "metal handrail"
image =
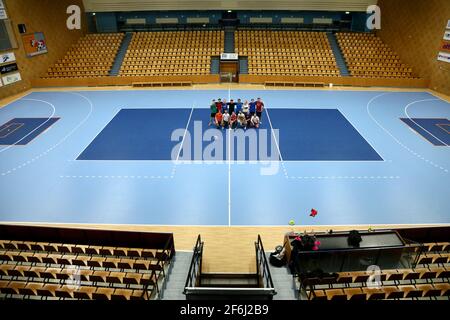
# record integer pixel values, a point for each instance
(262, 262)
(195, 261)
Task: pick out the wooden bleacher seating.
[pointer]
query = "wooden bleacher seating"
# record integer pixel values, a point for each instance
(367, 56)
(291, 53)
(429, 280)
(42, 270)
(176, 53)
(92, 56)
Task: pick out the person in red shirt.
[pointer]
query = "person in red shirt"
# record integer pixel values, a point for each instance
(219, 105)
(259, 108)
(233, 121)
(219, 118)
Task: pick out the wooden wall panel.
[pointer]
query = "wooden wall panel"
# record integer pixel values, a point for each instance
(414, 29)
(49, 17)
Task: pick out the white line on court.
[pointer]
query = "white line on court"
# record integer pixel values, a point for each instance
(395, 139)
(276, 143)
(185, 131)
(61, 141)
(345, 177)
(48, 119)
(406, 112)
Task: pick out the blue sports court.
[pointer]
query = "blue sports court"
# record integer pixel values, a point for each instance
(358, 157)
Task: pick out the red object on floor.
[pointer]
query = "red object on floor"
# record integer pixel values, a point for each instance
(314, 212)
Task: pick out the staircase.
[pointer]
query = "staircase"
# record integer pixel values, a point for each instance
(229, 40)
(243, 65)
(121, 54)
(338, 55)
(225, 280)
(215, 65)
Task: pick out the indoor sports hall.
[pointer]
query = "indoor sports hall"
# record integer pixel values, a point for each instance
(131, 169)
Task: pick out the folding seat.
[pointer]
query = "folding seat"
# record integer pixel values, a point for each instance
(84, 292)
(393, 292)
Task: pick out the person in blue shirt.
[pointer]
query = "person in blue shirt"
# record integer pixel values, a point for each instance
(224, 105)
(238, 106)
(252, 107)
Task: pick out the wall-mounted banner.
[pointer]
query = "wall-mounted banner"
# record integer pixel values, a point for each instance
(443, 56)
(3, 14)
(7, 68)
(229, 56)
(448, 24)
(11, 78)
(447, 35)
(7, 57)
(34, 44)
(445, 46)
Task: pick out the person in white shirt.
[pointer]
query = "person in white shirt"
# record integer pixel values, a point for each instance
(226, 119)
(254, 121)
(245, 107)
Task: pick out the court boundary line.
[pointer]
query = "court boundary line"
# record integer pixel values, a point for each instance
(60, 141)
(11, 132)
(394, 138)
(92, 140)
(48, 119)
(407, 115)
(418, 134)
(362, 136)
(298, 227)
(441, 125)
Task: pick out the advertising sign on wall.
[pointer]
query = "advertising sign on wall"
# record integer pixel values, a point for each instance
(447, 35)
(7, 68)
(34, 44)
(444, 56)
(7, 57)
(11, 78)
(445, 46)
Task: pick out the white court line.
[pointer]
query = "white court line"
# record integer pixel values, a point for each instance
(61, 141)
(362, 136)
(276, 143)
(229, 164)
(303, 227)
(185, 132)
(396, 140)
(36, 100)
(406, 112)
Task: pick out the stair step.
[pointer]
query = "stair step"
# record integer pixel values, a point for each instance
(340, 61)
(121, 54)
(229, 280)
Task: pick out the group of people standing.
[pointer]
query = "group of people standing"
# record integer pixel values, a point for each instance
(236, 114)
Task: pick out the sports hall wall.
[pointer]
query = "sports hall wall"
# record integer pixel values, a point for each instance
(49, 17)
(415, 29)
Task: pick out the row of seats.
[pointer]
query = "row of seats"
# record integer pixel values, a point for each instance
(189, 51)
(428, 280)
(41, 270)
(289, 52)
(367, 56)
(92, 56)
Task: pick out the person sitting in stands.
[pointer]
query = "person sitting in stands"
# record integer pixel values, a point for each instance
(238, 106)
(254, 121)
(219, 119)
(213, 108)
(233, 120)
(242, 121)
(226, 119)
(245, 107)
(252, 106)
